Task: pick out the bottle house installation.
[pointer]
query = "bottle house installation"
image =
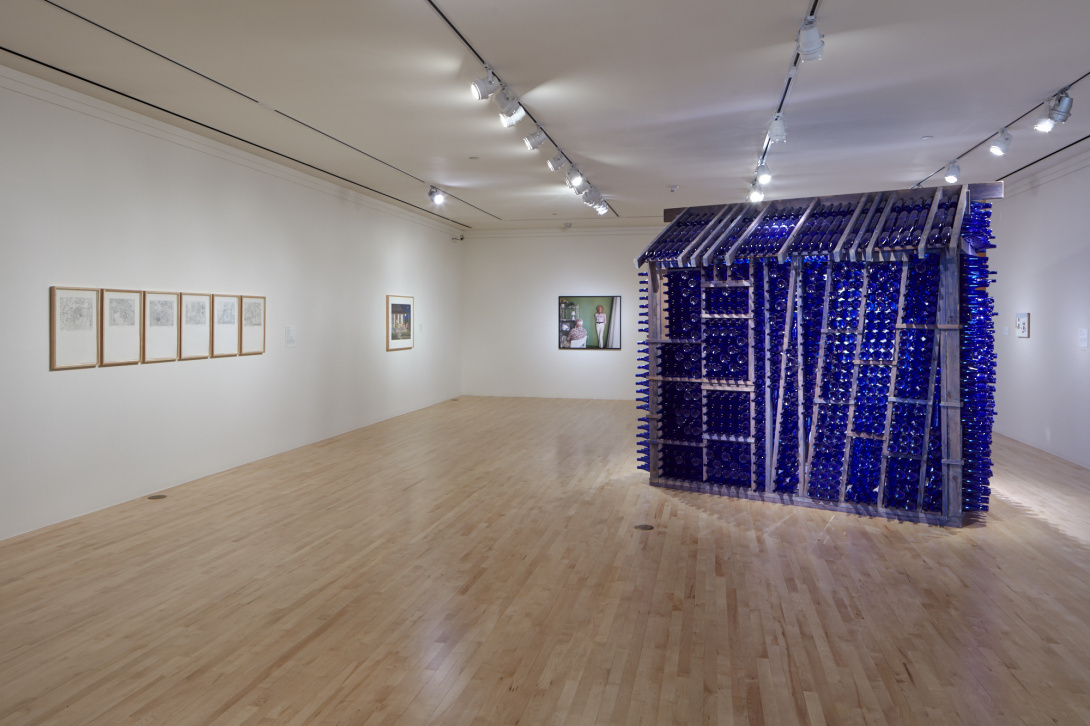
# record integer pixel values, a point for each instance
(832, 352)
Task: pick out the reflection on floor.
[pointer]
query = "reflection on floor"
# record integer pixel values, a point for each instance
(477, 562)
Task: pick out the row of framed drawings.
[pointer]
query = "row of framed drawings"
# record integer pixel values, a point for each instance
(93, 327)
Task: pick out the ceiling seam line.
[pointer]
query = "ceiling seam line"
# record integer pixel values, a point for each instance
(227, 134)
(488, 66)
(1038, 161)
(260, 103)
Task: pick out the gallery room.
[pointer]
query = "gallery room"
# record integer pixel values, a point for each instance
(435, 362)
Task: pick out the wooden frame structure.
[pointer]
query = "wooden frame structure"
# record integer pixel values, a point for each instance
(901, 251)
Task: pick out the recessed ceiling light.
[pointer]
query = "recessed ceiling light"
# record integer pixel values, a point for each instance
(926, 138)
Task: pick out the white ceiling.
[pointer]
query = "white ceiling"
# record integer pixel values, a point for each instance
(641, 95)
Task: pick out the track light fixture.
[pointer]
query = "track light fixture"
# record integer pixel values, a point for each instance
(1059, 110)
(557, 161)
(777, 130)
(576, 180)
(436, 196)
(534, 140)
(764, 176)
(511, 111)
(1002, 143)
(756, 194)
(592, 197)
(601, 207)
(953, 172)
(810, 42)
(482, 88)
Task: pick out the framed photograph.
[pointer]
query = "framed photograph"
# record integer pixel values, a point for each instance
(253, 326)
(73, 327)
(225, 325)
(399, 322)
(122, 329)
(161, 330)
(1021, 325)
(589, 322)
(196, 326)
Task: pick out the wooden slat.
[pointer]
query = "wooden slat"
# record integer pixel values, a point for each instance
(688, 256)
(878, 228)
(784, 344)
(855, 383)
(861, 235)
(835, 255)
(892, 384)
(785, 248)
(732, 253)
(950, 353)
(921, 248)
(811, 438)
(714, 244)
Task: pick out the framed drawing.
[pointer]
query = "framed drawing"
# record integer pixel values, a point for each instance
(196, 326)
(161, 330)
(73, 327)
(1021, 325)
(253, 326)
(399, 322)
(225, 325)
(122, 328)
(591, 322)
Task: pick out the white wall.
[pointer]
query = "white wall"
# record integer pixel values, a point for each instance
(94, 196)
(511, 285)
(1043, 260)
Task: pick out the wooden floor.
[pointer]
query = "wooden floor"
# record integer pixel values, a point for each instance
(476, 562)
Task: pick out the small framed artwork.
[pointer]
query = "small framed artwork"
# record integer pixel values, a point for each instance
(161, 330)
(73, 327)
(225, 327)
(196, 326)
(122, 329)
(399, 322)
(589, 322)
(1021, 325)
(253, 326)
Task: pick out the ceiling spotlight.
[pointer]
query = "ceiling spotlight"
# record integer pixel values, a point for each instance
(557, 161)
(777, 130)
(1060, 108)
(436, 196)
(1002, 143)
(511, 111)
(482, 88)
(576, 180)
(592, 197)
(764, 176)
(953, 172)
(810, 42)
(535, 139)
(756, 194)
(601, 208)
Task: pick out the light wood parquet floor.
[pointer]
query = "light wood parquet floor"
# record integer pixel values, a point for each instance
(476, 563)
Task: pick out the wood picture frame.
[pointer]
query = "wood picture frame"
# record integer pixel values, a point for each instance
(225, 326)
(400, 311)
(121, 327)
(252, 333)
(195, 326)
(162, 329)
(73, 327)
